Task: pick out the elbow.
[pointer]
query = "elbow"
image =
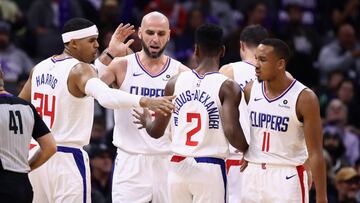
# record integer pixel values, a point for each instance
(51, 150)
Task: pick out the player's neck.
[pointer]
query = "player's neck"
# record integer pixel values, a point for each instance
(249, 57)
(278, 85)
(152, 64)
(208, 65)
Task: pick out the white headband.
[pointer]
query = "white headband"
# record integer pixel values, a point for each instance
(79, 34)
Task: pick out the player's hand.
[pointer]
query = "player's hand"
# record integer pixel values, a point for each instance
(117, 45)
(142, 118)
(161, 105)
(310, 179)
(243, 165)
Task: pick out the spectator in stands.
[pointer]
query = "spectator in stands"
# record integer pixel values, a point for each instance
(336, 117)
(101, 168)
(45, 21)
(346, 93)
(334, 146)
(347, 183)
(13, 60)
(328, 92)
(173, 10)
(343, 53)
(184, 44)
(304, 42)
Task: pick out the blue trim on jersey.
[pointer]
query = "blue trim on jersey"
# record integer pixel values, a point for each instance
(202, 77)
(278, 97)
(165, 67)
(249, 63)
(79, 160)
(6, 95)
(58, 60)
(213, 160)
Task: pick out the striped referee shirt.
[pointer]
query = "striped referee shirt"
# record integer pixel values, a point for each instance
(19, 122)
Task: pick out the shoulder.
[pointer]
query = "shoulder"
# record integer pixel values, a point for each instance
(178, 64)
(307, 103)
(229, 86)
(227, 70)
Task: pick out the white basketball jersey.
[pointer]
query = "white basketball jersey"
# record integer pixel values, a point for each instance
(69, 118)
(196, 121)
(277, 136)
(243, 73)
(138, 81)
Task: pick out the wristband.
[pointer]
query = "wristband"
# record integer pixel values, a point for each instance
(109, 55)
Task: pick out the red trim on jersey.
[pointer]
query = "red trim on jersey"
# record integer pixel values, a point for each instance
(300, 169)
(177, 158)
(232, 162)
(32, 146)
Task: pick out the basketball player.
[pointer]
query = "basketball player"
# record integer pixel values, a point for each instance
(285, 130)
(242, 72)
(60, 88)
(205, 120)
(19, 122)
(141, 163)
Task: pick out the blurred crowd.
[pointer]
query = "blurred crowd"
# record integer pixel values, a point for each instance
(323, 36)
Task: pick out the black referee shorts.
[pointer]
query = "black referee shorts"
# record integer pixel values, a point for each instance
(15, 187)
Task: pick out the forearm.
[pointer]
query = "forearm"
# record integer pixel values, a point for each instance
(236, 138)
(317, 165)
(46, 150)
(109, 97)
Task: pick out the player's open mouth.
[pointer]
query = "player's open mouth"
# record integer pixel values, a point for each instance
(154, 48)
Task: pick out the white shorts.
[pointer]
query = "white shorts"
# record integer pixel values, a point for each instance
(264, 183)
(140, 178)
(197, 180)
(65, 177)
(234, 178)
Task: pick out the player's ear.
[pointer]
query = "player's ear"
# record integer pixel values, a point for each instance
(139, 33)
(281, 63)
(196, 50)
(222, 51)
(72, 43)
(242, 46)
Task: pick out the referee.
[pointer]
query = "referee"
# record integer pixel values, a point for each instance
(19, 122)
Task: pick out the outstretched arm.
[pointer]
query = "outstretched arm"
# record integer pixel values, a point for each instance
(308, 111)
(230, 96)
(83, 81)
(156, 128)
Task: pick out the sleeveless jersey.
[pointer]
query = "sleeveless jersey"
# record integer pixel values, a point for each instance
(138, 81)
(196, 121)
(277, 136)
(69, 118)
(243, 73)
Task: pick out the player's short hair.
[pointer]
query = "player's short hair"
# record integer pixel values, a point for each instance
(281, 49)
(252, 35)
(209, 38)
(76, 24)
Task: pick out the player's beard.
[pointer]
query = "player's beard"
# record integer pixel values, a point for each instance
(152, 55)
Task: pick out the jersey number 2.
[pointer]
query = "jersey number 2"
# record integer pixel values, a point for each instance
(13, 124)
(189, 118)
(43, 109)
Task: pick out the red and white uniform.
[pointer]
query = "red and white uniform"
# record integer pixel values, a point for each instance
(197, 169)
(277, 149)
(141, 164)
(68, 170)
(243, 73)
